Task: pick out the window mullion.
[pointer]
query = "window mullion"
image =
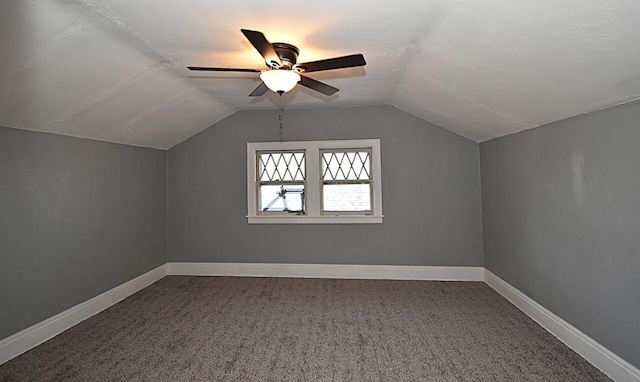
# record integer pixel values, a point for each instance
(313, 184)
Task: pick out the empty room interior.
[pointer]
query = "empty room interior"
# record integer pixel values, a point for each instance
(328, 191)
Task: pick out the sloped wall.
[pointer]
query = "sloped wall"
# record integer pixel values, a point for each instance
(77, 218)
(561, 220)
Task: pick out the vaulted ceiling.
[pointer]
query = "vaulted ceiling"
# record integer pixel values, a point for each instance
(115, 70)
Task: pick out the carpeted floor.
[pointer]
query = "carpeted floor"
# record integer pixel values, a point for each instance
(276, 329)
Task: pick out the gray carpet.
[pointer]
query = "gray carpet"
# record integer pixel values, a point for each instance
(276, 329)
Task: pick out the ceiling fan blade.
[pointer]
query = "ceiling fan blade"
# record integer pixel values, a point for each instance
(333, 63)
(263, 46)
(205, 69)
(260, 90)
(317, 86)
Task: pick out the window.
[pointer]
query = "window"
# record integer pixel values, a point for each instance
(346, 181)
(314, 182)
(280, 181)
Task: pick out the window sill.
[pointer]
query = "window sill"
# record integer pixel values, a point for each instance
(344, 219)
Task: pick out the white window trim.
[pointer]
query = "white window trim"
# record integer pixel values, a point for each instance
(312, 191)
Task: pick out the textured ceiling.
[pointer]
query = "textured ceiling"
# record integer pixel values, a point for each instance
(115, 70)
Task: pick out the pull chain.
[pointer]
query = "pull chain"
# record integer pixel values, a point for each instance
(280, 111)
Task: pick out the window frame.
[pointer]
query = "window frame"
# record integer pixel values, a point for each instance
(313, 188)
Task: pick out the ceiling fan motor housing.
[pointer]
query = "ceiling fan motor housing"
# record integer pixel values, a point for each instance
(288, 55)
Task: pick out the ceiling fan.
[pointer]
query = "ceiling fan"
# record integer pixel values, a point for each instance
(283, 72)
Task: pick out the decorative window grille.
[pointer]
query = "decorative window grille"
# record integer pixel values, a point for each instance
(347, 181)
(281, 182)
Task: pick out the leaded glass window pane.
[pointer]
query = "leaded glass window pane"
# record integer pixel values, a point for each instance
(281, 166)
(346, 165)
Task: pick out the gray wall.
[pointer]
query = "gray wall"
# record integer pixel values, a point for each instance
(77, 218)
(431, 193)
(561, 220)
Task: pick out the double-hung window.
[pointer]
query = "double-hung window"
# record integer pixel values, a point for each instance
(347, 184)
(314, 182)
(280, 182)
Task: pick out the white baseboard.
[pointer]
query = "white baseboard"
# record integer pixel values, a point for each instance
(334, 271)
(599, 356)
(33, 336)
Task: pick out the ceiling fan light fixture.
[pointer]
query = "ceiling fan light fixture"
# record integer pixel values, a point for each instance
(280, 80)
(284, 70)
